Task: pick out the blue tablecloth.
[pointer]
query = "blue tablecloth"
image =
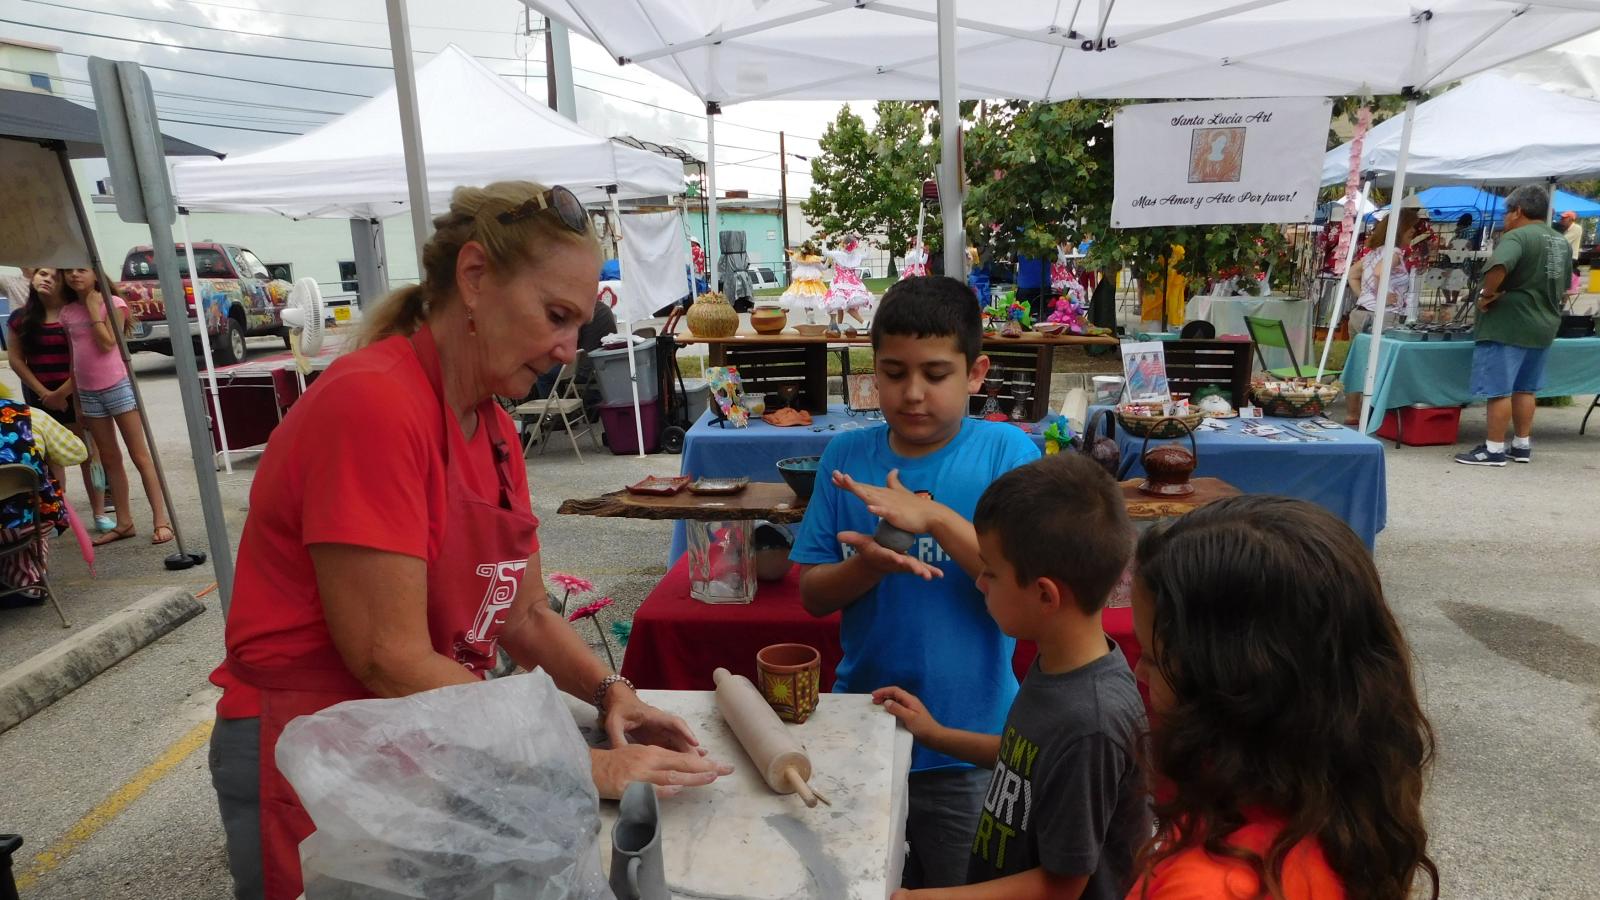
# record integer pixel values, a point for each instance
(1345, 475)
(1439, 373)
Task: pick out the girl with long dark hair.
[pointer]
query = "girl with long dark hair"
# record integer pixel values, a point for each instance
(1288, 748)
(41, 356)
(106, 398)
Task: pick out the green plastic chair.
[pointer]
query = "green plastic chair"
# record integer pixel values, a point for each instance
(1271, 333)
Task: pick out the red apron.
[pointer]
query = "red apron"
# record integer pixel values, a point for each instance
(483, 554)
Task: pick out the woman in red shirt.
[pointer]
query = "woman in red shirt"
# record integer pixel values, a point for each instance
(1287, 746)
(391, 544)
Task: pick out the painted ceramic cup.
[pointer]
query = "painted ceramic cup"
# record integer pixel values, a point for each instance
(790, 675)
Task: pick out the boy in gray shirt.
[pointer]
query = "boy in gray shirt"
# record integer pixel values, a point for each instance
(1067, 806)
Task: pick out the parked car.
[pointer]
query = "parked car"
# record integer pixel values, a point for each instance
(241, 299)
(764, 278)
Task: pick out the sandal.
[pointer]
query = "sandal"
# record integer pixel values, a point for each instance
(114, 535)
(156, 537)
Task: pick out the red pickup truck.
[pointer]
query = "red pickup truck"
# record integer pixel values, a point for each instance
(240, 297)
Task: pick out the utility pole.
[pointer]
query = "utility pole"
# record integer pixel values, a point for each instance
(783, 203)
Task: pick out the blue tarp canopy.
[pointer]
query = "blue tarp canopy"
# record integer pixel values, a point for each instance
(1446, 203)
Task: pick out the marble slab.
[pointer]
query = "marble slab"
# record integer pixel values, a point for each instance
(738, 839)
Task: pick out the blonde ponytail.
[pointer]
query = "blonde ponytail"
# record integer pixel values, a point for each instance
(473, 216)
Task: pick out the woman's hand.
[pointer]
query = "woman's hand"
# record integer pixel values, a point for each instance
(95, 302)
(628, 716)
(668, 770)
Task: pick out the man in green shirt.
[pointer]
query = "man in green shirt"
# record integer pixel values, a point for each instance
(1519, 313)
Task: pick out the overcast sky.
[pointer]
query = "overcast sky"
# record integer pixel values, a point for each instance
(491, 30)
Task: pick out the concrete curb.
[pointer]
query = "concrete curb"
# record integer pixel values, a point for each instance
(40, 681)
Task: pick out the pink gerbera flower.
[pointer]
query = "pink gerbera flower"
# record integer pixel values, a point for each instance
(571, 582)
(590, 610)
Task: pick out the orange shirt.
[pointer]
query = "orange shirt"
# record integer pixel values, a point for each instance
(358, 460)
(1195, 874)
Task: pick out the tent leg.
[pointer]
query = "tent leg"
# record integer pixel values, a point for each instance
(627, 331)
(1344, 277)
(950, 200)
(405, 83)
(1392, 225)
(713, 242)
(205, 337)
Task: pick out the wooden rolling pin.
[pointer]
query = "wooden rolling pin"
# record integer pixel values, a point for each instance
(780, 758)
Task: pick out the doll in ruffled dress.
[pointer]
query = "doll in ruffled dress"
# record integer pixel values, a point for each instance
(916, 263)
(846, 295)
(808, 283)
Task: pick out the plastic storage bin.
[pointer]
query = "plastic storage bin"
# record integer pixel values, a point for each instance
(618, 421)
(1421, 426)
(611, 372)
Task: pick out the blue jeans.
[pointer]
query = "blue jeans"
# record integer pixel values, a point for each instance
(942, 820)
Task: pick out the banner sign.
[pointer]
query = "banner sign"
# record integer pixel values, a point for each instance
(1219, 162)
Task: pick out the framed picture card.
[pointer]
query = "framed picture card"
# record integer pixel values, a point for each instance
(1144, 365)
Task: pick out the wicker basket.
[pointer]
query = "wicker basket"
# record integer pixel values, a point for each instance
(1159, 426)
(1293, 404)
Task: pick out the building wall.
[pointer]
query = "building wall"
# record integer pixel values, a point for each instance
(18, 60)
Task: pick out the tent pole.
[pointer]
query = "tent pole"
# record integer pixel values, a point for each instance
(205, 337)
(713, 242)
(1344, 276)
(955, 242)
(1392, 224)
(405, 84)
(627, 330)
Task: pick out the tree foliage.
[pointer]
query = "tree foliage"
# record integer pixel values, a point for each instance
(843, 177)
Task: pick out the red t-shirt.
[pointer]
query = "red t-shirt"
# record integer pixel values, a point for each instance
(358, 460)
(1195, 874)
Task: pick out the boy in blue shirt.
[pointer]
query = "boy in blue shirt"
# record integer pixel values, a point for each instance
(917, 619)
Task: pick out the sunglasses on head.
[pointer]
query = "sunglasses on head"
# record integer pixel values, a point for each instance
(563, 201)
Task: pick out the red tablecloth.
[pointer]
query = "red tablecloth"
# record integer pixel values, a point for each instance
(677, 641)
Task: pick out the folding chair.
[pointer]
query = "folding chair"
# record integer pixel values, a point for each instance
(1271, 333)
(18, 480)
(564, 402)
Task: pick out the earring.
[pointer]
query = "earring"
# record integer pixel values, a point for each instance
(472, 324)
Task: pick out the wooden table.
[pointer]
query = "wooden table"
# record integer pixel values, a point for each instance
(771, 501)
(770, 362)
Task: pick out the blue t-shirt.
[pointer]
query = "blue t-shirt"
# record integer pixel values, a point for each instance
(933, 638)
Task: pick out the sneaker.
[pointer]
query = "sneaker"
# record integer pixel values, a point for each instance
(1480, 456)
(1521, 455)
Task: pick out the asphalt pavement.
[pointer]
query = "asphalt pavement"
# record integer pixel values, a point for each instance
(1488, 570)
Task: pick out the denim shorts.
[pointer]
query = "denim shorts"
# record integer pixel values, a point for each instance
(1500, 370)
(113, 401)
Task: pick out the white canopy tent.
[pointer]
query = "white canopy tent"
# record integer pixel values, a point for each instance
(1537, 136)
(727, 51)
(476, 128)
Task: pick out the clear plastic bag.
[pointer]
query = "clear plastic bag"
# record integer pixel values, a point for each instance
(474, 792)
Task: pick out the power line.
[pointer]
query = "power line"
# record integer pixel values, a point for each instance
(195, 97)
(131, 40)
(285, 37)
(239, 117)
(258, 81)
(230, 127)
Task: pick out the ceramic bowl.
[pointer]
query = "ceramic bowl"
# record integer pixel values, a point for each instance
(800, 473)
(810, 330)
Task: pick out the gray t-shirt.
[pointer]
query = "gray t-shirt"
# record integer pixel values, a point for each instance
(1067, 793)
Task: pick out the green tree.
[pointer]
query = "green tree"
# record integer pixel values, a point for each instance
(905, 156)
(844, 191)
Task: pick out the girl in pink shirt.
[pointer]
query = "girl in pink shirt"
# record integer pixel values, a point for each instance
(106, 398)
